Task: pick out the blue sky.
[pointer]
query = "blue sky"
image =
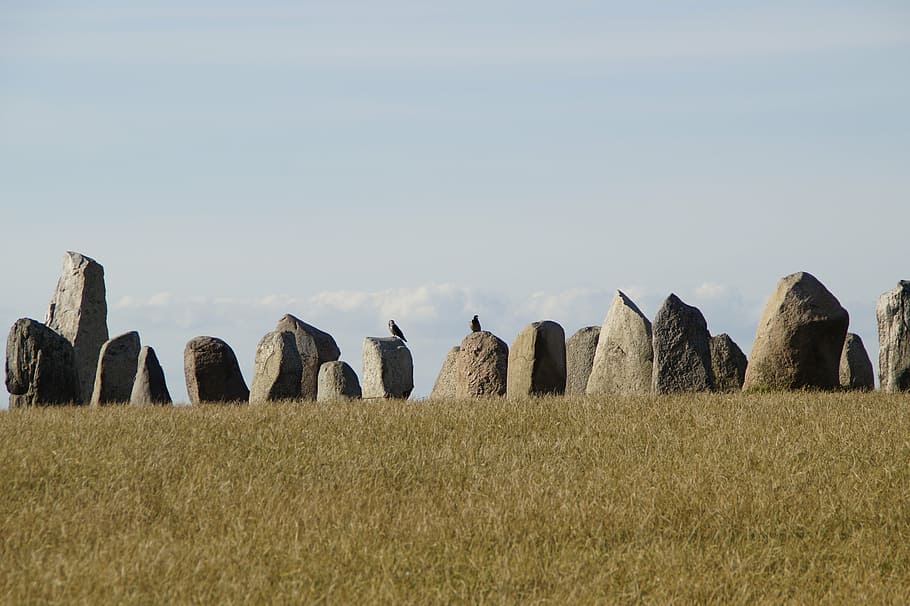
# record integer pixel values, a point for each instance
(354, 161)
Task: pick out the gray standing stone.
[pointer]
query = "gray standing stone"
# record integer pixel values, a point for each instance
(482, 366)
(893, 315)
(388, 369)
(624, 360)
(116, 372)
(799, 339)
(537, 361)
(338, 381)
(277, 369)
(78, 312)
(149, 386)
(728, 364)
(580, 350)
(212, 372)
(40, 366)
(315, 347)
(856, 370)
(444, 388)
(682, 349)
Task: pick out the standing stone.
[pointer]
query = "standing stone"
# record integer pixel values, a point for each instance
(116, 372)
(315, 348)
(277, 369)
(799, 339)
(444, 388)
(893, 315)
(338, 381)
(212, 372)
(682, 349)
(149, 386)
(78, 311)
(855, 366)
(624, 359)
(728, 364)
(40, 366)
(580, 350)
(537, 361)
(482, 366)
(388, 369)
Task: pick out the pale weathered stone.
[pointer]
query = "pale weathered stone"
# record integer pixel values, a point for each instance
(482, 366)
(315, 348)
(580, 350)
(40, 366)
(338, 381)
(799, 339)
(388, 369)
(277, 368)
(116, 372)
(537, 361)
(728, 364)
(856, 370)
(624, 359)
(78, 312)
(893, 315)
(150, 386)
(444, 388)
(682, 349)
(212, 372)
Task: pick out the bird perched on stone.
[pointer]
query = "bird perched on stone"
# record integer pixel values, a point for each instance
(475, 324)
(393, 328)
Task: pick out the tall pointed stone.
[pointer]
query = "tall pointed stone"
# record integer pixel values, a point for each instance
(212, 372)
(40, 366)
(537, 361)
(893, 315)
(682, 349)
(624, 359)
(728, 363)
(277, 369)
(149, 386)
(116, 371)
(315, 347)
(856, 370)
(580, 350)
(444, 387)
(78, 312)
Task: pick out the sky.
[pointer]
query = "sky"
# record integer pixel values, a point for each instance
(351, 162)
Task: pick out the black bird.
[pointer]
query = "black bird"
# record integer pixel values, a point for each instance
(475, 324)
(393, 328)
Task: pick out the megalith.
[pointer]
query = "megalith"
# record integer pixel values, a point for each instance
(482, 366)
(116, 373)
(856, 370)
(78, 312)
(388, 369)
(338, 381)
(212, 372)
(149, 387)
(682, 349)
(277, 368)
(893, 316)
(624, 358)
(799, 339)
(728, 364)
(315, 348)
(537, 361)
(580, 350)
(444, 387)
(40, 366)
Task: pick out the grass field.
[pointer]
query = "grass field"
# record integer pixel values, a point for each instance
(766, 498)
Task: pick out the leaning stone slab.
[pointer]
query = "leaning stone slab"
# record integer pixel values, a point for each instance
(799, 339)
(388, 369)
(78, 312)
(277, 369)
(116, 372)
(315, 347)
(893, 315)
(728, 364)
(580, 350)
(40, 366)
(338, 381)
(482, 366)
(537, 361)
(856, 370)
(624, 359)
(444, 388)
(682, 349)
(212, 372)
(149, 386)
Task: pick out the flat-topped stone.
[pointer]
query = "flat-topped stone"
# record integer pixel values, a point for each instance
(388, 369)
(537, 361)
(892, 313)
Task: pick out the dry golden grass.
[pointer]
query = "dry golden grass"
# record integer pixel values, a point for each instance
(766, 498)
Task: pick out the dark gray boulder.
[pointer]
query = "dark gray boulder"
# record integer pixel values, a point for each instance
(150, 386)
(682, 349)
(728, 364)
(315, 347)
(388, 369)
(338, 381)
(212, 372)
(481, 369)
(537, 361)
(892, 313)
(116, 372)
(40, 367)
(856, 370)
(580, 350)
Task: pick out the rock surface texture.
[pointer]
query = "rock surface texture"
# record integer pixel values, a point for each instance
(338, 381)
(482, 366)
(856, 370)
(117, 363)
(78, 312)
(315, 347)
(580, 350)
(444, 387)
(537, 361)
(212, 372)
(388, 369)
(728, 364)
(682, 349)
(277, 368)
(893, 315)
(799, 339)
(624, 359)
(40, 367)
(150, 386)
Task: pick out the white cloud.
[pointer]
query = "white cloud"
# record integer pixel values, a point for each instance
(709, 291)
